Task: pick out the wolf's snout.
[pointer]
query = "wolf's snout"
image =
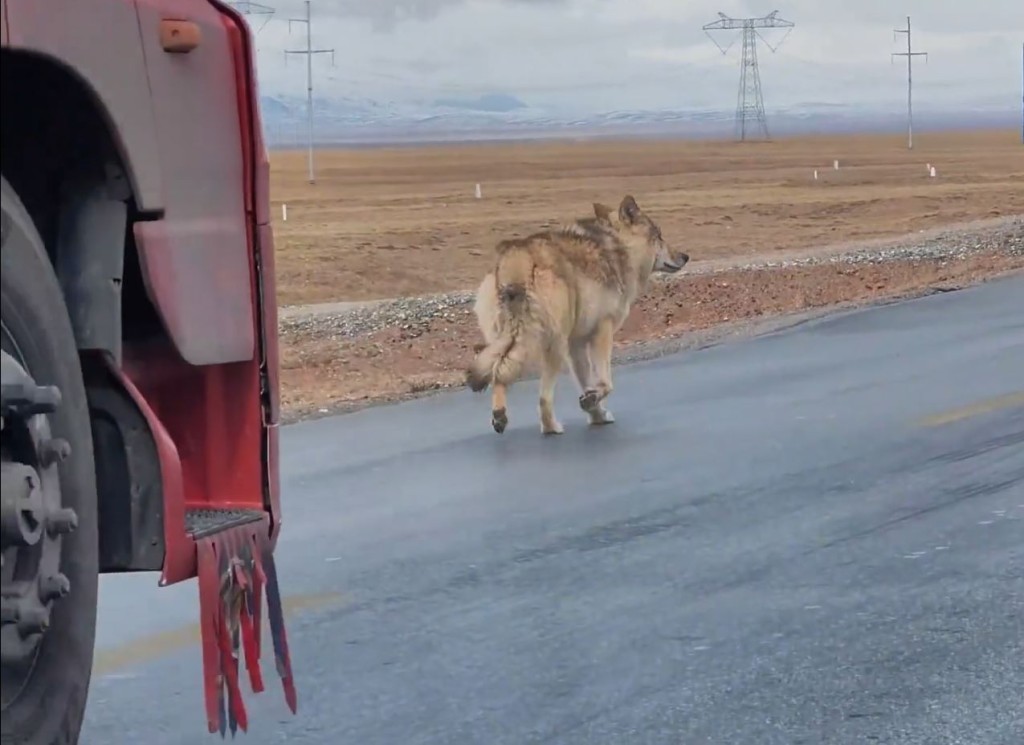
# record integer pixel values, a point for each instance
(674, 263)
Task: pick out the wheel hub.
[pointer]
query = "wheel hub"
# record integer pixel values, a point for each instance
(32, 520)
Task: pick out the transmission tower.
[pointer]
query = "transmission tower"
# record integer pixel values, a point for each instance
(309, 52)
(750, 116)
(909, 54)
(248, 8)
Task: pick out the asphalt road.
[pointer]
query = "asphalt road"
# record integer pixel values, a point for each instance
(814, 536)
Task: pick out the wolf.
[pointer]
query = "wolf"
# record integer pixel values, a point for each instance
(558, 297)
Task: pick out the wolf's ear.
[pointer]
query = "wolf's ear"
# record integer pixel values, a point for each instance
(603, 212)
(629, 210)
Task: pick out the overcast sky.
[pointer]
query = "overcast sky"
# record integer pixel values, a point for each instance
(598, 55)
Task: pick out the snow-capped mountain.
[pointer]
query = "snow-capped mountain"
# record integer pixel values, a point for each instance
(352, 121)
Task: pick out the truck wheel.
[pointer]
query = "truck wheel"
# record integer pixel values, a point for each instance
(49, 511)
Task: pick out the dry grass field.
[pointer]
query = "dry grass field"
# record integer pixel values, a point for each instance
(393, 222)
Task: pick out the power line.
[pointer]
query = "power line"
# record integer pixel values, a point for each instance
(248, 8)
(909, 54)
(309, 52)
(750, 98)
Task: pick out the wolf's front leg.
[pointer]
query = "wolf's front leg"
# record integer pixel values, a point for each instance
(583, 371)
(552, 366)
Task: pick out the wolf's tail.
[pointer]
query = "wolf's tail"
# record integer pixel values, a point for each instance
(520, 324)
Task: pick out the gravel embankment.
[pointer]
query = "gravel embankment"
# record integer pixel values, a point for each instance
(413, 314)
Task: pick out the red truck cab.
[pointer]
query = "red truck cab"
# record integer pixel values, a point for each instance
(139, 336)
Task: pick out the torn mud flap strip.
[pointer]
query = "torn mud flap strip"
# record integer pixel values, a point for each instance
(236, 567)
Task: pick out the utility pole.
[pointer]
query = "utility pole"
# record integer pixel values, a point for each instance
(750, 99)
(309, 52)
(909, 54)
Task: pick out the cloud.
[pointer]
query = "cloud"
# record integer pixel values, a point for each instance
(383, 15)
(602, 54)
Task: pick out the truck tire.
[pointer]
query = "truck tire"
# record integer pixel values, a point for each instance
(49, 627)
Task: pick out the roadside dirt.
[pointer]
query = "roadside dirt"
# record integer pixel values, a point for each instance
(322, 375)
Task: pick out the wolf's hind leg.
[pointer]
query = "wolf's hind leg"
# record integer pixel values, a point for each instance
(499, 407)
(601, 354)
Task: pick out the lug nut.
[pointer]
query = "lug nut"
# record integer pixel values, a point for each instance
(61, 521)
(53, 587)
(21, 505)
(54, 451)
(32, 620)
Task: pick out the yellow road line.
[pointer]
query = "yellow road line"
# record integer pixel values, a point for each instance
(162, 643)
(980, 407)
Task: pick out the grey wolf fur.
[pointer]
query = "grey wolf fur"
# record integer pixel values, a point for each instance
(559, 296)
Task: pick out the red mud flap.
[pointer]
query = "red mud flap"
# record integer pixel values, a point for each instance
(235, 566)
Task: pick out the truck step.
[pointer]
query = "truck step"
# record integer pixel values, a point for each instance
(200, 523)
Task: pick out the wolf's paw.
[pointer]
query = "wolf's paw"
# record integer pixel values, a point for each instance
(590, 400)
(499, 420)
(552, 428)
(601, 416)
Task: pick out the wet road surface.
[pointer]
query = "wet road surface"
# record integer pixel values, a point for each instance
(814, 536)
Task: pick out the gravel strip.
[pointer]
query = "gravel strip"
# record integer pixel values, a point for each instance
(414, 314)
(1006, 237)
